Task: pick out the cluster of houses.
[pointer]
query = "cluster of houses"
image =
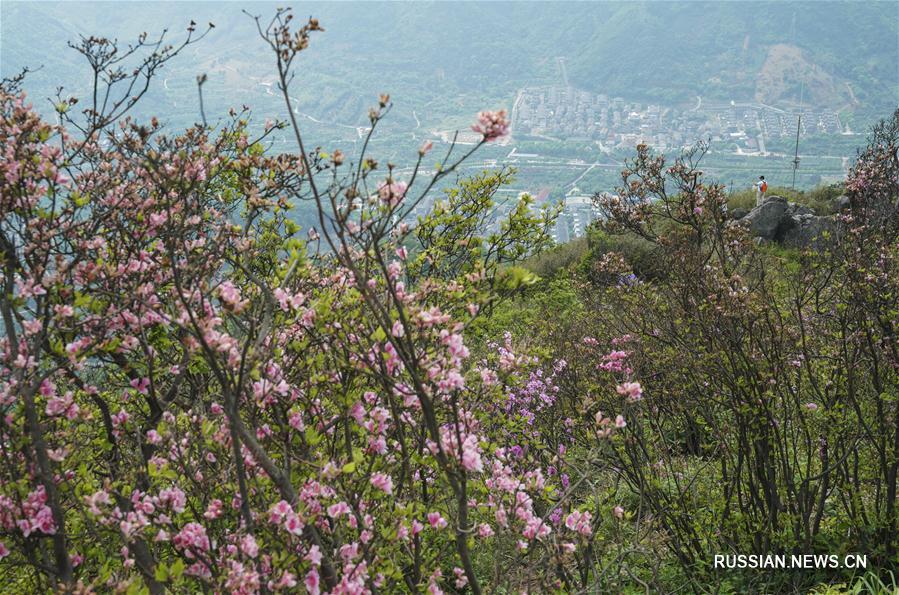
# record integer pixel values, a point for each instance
(577, 214)
(570, 114)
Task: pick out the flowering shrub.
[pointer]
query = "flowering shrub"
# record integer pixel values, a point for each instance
(198, 398)
(765, 381)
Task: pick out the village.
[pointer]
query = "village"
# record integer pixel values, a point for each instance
(570, 114)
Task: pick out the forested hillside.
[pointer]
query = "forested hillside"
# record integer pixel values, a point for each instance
(669, 52)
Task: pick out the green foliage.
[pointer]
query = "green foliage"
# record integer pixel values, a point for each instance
(765, 420)
(871, 583)
(559, 259)
(467, 232)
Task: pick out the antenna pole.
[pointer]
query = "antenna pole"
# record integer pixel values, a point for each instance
(796, 154)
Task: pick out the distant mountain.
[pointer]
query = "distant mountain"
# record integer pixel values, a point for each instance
(442, 61)
(770, 51)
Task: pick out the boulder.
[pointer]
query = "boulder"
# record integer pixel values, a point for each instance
(790, 224)
(793, 209)
(766, 219)
(843, 203)
(738, 213)
(810, 231)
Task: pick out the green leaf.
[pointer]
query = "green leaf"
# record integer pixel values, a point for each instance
(177, 569)
(162, 573)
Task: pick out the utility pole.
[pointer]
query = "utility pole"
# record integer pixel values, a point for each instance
(796, 154)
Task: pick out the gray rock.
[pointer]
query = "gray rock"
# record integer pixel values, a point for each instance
(843, 203)
(811, 231)
(738, 213)
(766, 219)
(795, 209)
(796, 226)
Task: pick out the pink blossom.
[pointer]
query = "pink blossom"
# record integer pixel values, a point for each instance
(293, 524)
(214, 510)
(633, 390)
(579, 522)
(248, 546)
(398, 330)
(382, 482)
(174, 498)
(94, 501)
(63, 405)
(312, 582)
(280, 511)
(142, 385)
(392, 193)
(47, 388)
(230, 295)
(436, 520)
(32, 327)
(296, 421)
(120, 418)
(492, 125)
(461, 578)
(335, 510)
(283, 299)
(287, 581)
(314, 556)
(471, 454)
(64, 311)
(192, 538)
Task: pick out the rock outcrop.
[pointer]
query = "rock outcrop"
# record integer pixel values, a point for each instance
(787, 223)
(766, 220)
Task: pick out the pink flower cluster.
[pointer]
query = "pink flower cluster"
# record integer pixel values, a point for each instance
(33, 516)
(230, 296)
(633, 390)
(492, 125)
(580, 522)
(391, 193)
(283, 514)
(615, 361)
(62, 406)
(605, 426)
(192, 539)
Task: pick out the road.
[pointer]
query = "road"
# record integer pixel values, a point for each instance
(574, 182)
(358, 129)
(852, 94)
(561, 60)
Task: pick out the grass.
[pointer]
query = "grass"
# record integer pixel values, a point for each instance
(822, 200)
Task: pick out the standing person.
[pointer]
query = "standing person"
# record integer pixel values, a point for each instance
(761, 187)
